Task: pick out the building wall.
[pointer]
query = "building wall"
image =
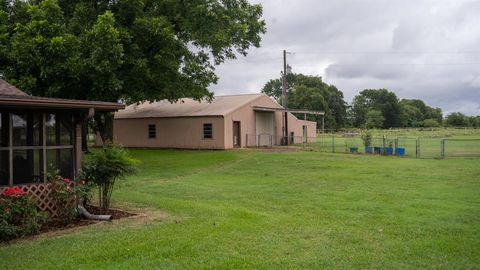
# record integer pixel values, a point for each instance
(178, 132)
(296, 126)
(246, 116)
(187, 132)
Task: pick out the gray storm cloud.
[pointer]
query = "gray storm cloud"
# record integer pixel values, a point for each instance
(426, 49)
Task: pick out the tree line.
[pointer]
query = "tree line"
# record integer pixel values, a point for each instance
(371, 108)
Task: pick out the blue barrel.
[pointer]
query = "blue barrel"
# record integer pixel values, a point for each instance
(400, 151)
(368, 150)
(377, 150)
(389, 151)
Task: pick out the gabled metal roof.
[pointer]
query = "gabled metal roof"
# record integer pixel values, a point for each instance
(220, 106)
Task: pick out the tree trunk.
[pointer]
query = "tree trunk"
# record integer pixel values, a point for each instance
(104, 126)
(85, 137)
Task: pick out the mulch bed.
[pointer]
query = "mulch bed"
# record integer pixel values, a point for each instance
(115, 213)
(59, 225)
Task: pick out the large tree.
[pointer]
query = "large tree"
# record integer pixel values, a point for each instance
(457, 119)
(415, 112)
(310, 92)
(134, 50)
(380, 100)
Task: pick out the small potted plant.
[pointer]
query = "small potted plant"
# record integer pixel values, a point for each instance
(367, 142)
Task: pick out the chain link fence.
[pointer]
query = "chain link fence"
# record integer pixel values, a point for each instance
(269, 140)
(351, 142)
(414, 147)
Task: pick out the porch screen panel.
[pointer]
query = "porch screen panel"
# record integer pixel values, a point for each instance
(3, 129)
(61, 161)
(4, 162)
(59, 129)
(27, 129)
(50, 129)
(4, 168)
(27, 166)
(24, 156)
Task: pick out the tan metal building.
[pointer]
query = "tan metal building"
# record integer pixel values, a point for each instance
(227, 122)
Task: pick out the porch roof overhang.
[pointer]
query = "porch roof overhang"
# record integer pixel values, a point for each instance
(270, 109)
(25, 101)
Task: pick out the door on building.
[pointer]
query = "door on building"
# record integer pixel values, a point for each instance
(236, 134)
(265, 128)
(305, 134)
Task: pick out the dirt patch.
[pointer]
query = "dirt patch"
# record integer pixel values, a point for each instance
(53, 226)
(115, 213)
(56, 225)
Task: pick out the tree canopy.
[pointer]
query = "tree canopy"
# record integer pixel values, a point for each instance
(133, 50)
(311, 93)
(381, 100)
(416, 112)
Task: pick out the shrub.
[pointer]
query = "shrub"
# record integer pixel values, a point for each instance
(374, 119)
(103, 167)
(19, 215)
(67, 194)
(431, 123)
(367, 139)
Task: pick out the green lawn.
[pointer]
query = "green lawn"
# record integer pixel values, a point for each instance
(256, 210)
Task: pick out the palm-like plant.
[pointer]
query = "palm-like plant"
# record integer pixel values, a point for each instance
(104, 167)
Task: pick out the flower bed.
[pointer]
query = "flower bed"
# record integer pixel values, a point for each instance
(19, 214)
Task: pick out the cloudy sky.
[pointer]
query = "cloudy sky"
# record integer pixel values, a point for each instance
(427, 49)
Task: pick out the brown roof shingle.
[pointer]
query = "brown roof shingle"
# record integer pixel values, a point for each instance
(13, 97)
(7, 89)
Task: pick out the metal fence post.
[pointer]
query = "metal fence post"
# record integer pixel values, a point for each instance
(442, 148)
(417, 148)
(383, 145)
(396, 147)
(333, 143)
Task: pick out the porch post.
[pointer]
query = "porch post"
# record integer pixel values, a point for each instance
(78, 148)
(10, 149)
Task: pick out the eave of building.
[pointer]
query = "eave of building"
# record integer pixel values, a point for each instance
(41, 102)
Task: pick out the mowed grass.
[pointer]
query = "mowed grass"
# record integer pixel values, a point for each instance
(288, 210)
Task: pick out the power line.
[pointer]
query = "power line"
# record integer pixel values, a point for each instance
(392, 64)
(388, 52)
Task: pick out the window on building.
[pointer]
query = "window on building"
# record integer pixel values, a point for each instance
(207, 131)
(152, 131)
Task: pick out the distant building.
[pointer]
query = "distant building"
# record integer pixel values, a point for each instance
(227, 122)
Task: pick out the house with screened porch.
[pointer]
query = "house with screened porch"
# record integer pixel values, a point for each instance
(40, 135)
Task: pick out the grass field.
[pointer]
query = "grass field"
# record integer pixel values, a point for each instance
(278, 210)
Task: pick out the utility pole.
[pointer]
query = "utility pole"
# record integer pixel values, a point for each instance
(284, 96)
